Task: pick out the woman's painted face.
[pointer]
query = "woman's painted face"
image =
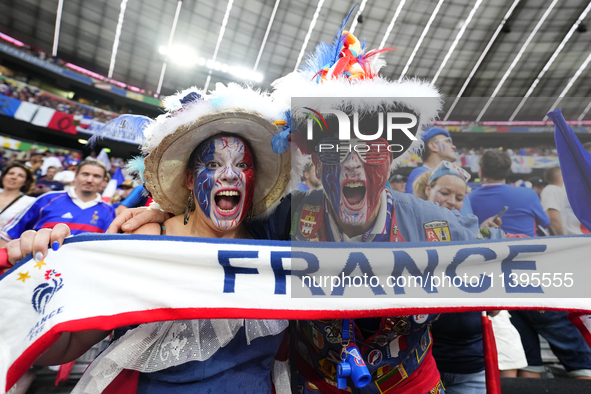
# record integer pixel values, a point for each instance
(449, 192)
(224, 181)
(354, 187)
(15, 178)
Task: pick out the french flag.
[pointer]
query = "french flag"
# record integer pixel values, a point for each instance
(575, 162)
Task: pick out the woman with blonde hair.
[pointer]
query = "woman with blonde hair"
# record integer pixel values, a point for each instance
(457, 337)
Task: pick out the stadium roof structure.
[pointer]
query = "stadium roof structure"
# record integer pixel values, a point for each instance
(536, 53)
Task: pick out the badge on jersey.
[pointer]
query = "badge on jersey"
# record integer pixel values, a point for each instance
(374, 357)
(392, 379)
(308, 219)
(328, 368)
(437, 231)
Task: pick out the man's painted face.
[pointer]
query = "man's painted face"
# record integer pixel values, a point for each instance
(353, 187)
(224, 181)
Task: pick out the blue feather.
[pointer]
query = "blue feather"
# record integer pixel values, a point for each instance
(339, 39)
(137, 164)
(125, 127)
(280, 142)
(326, 55)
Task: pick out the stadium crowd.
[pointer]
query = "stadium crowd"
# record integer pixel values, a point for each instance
(32, 181)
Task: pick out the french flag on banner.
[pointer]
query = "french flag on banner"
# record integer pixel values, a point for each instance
(56, 120)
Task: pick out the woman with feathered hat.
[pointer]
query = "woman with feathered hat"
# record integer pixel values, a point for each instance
(210, 163)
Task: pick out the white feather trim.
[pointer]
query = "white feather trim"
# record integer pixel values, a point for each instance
(421, 96)
(222, 99)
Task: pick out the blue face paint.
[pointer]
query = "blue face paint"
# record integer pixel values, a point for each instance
(204, 178)
(331, 183)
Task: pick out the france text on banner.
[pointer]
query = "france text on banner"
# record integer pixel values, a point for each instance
(107, 281)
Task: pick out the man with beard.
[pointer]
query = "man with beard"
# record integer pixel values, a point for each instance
(309, 180)
(82, 207)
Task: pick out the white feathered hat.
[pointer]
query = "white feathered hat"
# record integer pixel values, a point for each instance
(192, 117)
(347, 74)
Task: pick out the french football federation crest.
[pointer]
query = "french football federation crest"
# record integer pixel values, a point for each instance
(45, 292)
(437, 231)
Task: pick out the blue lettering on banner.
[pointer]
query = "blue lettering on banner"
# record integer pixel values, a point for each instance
(40, 325)
(403, 261)
(460, 257)
(510, 264)
(230, 271)
(313, 266)
(357, 259)
(278, 271)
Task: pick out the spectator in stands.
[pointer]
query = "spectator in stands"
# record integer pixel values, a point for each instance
(555, 202)
(35, 162)
(68, 174)
(16, 181)
(538, 184)
(438, 146)
(125, 190)
(458, 336)
(136, 198)
(525, 211)
(398, 182)
(81, 207)
(50, 160)
(309, 180)
(47, 184)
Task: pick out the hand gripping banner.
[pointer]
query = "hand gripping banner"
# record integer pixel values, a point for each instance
(108, 281)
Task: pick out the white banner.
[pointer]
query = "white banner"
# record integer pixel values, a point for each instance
(107, 281)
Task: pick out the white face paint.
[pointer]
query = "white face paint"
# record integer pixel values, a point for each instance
(224, 181)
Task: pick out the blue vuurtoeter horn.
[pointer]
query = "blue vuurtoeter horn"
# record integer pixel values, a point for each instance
(353, 364)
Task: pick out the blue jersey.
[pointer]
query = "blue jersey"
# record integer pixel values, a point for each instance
(58, 207)
(136, 198)
(414, 174)
(525, 209)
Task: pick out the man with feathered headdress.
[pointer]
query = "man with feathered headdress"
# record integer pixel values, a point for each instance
(357, 206)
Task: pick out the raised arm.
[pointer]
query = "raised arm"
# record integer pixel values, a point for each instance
(132, 219)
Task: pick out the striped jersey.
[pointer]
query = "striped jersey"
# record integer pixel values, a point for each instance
(61, 207)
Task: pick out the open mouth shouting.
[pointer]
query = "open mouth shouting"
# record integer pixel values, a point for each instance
(353, 193)
(227, 202)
